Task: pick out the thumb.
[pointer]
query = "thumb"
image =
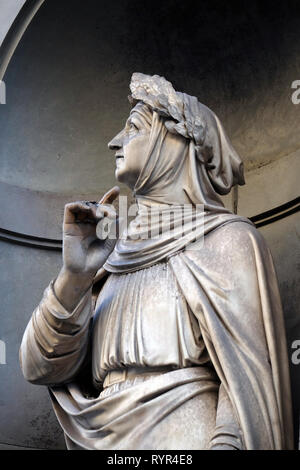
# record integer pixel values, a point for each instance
(110, 195)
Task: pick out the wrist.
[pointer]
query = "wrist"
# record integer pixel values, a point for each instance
(69, 287)
(80, 279)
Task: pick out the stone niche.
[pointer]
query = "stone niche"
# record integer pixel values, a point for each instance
(68, 67)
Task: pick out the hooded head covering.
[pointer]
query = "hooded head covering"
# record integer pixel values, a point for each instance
(184, 115)
(189, 163)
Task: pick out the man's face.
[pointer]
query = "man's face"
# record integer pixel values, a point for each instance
(131, 145)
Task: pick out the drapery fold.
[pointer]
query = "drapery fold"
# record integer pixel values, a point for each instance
(243, 330)
(237, 306)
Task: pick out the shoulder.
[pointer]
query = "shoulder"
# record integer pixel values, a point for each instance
(235, 243)
(238, 233)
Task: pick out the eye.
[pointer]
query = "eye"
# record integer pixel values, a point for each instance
(133, 127)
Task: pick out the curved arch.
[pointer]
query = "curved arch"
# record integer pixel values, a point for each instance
(16, 32)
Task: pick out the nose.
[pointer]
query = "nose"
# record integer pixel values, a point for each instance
(117, 142)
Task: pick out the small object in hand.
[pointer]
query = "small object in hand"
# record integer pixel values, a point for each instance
(89, 203)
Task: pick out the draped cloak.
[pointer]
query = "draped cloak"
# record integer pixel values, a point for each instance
(243, 331)
(231, 290)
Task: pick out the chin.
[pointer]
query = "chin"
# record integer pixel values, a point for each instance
(119, 175)
(122, 176)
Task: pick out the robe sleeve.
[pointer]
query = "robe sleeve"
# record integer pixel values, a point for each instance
(55, 342)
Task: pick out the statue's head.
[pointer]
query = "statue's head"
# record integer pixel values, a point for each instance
(173, 148)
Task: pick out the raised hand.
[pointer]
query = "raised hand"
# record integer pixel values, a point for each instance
(83, 252)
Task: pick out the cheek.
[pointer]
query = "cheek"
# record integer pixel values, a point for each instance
(135, 152)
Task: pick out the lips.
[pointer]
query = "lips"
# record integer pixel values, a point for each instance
(119, 156)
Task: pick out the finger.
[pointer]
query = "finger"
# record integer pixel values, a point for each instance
(71, 210)
(110, 196)
(105, 211)
(78, 212)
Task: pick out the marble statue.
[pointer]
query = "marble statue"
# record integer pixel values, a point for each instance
(174, 341)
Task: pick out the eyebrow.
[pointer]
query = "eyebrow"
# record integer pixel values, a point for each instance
(134, 115)
(139, 117)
